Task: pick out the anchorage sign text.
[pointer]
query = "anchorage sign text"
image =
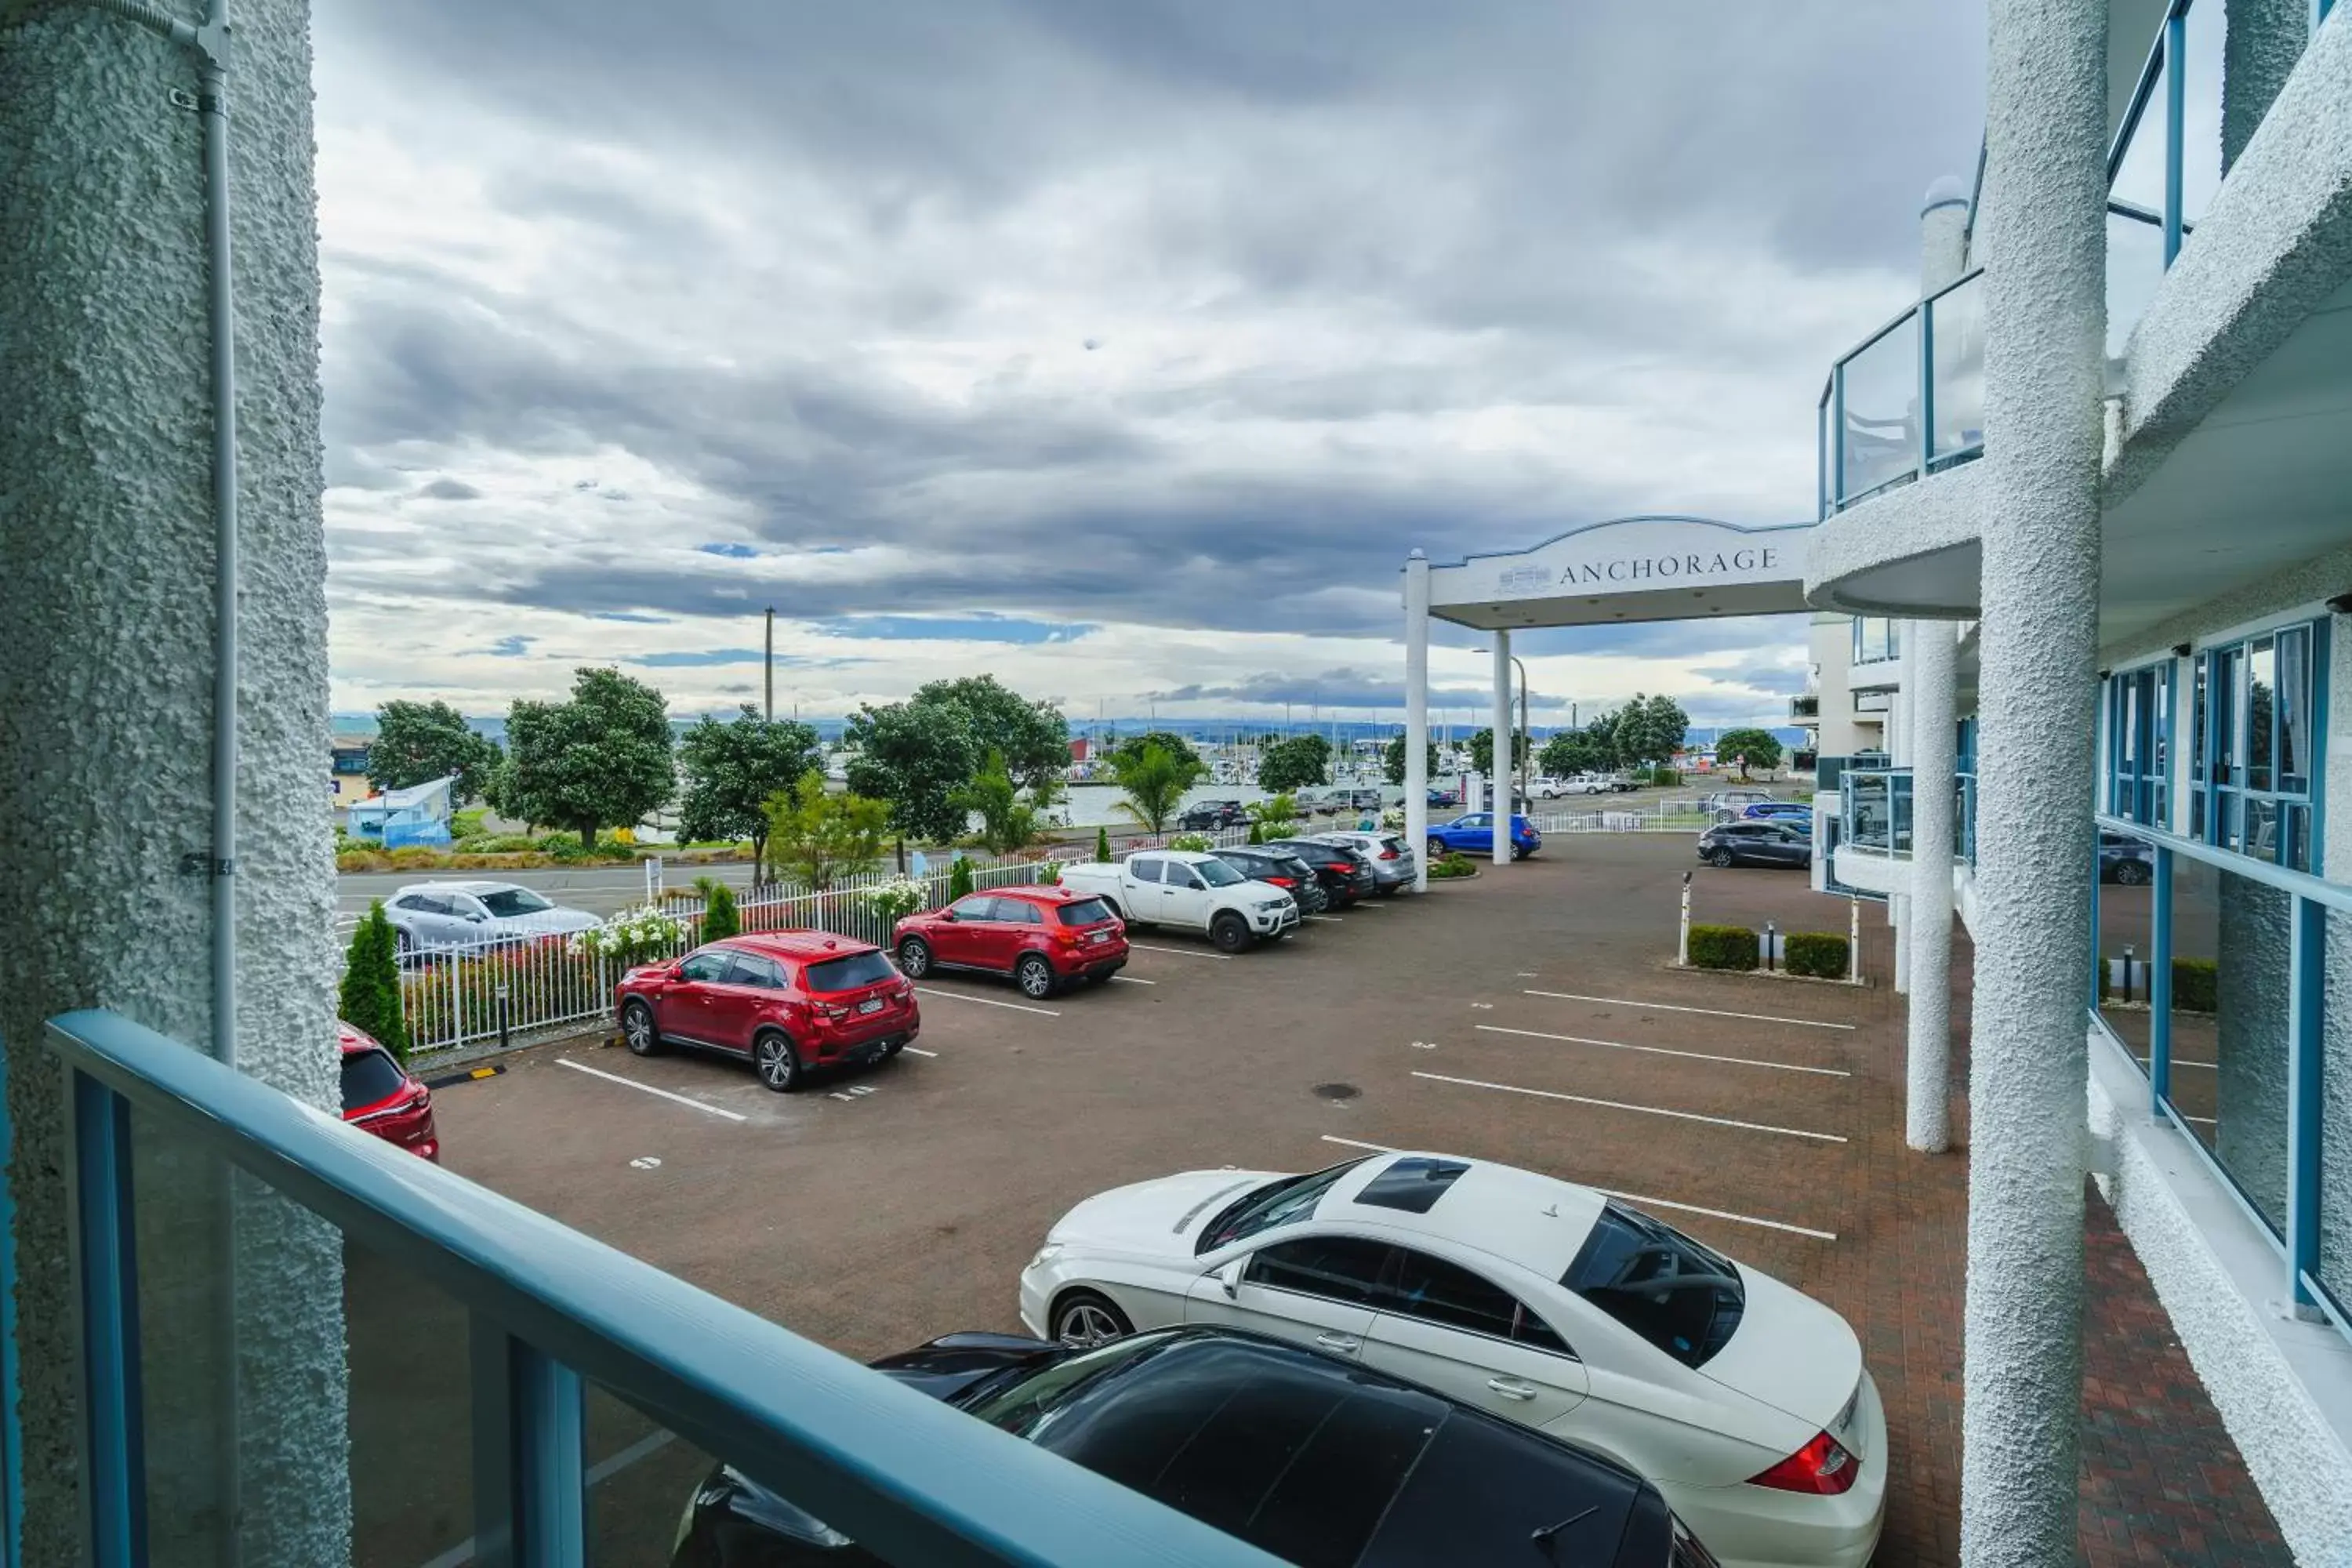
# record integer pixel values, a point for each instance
(1628, 570)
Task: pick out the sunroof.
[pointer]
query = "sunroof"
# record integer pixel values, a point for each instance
(1414, 1184)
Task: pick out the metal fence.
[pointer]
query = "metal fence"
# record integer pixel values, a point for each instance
(1666, 818)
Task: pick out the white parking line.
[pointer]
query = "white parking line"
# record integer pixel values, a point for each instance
(1131, 980)
(648, 1089)
(1640, 1198)
(1662, 1051)
(1643, 1109)
(989, 1002)
(1180, 952)
(1710, 1012)
(918, 1051)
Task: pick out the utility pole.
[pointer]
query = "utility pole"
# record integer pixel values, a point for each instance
(771, 665)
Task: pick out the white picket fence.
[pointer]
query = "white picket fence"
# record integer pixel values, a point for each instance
(1619, 820)
(453, 994)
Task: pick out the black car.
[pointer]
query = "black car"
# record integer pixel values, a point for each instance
(1756, 843)
(1319, 1461)
(1346, 874)
(1208, 815)
(2126, 861)
(1283, 869)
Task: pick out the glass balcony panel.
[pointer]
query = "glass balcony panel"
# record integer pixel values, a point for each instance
(2200, 108)
(2231, 984)
(2126, 938)
(2135, 269)
(2139, 176)
(2335, 1111)
(1881, 411)
(642, 1480)
(1957, 330)
(1869, 818)
(1899, 803)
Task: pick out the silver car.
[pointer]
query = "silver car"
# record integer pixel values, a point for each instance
(427, 915)
(1395, 863)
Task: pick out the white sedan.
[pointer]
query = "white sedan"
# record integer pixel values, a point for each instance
(1745, 1401)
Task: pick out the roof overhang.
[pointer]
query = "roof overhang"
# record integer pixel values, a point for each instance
(1629, 569)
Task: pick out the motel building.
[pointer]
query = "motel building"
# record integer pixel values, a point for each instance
(2080, 572)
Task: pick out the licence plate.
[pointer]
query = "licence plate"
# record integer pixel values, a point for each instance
(871, 1005)
(1100, 936)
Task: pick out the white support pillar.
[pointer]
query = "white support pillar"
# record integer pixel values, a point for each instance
(1934, 658)
(1416, 715)
(1499, 769)
(2043, 215)
(1898, 754)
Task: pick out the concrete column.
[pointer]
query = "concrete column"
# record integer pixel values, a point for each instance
(106, 746)
(1899, 755)
(1943, 235)
(1416, 715)
(2042, 216)
(1933, 658)
(2259, 51)
(1500, 773)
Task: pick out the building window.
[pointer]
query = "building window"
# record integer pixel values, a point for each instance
(1876, 639)
(1870, 701)
(2140, 744)
(2255, 706)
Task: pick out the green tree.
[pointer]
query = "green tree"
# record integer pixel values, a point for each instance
(1168, 741)
(1650, 729)
(1482, 750)
(1567, 752)
(916, 756)
(1031, 736)
(1005, 824)
(416, 742)
(1748, 748)
(1392, 760)
(1154, 780)
(719, 916)
(730, 769)
(959, 878)
(601, 759)
(370, 999)
(1276, 816)
(1295, 763)
(817, 839)
(1102, 845)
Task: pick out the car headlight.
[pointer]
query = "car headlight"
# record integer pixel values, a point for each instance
(1045, 1253)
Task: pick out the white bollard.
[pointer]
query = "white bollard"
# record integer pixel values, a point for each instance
(1681, 942)
(1853, 942)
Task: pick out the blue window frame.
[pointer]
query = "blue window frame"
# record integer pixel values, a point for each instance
(1876, 639)
(2256, 703)
(2140, 744)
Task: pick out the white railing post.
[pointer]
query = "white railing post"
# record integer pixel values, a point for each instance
(1681, 940)
(1853, 942)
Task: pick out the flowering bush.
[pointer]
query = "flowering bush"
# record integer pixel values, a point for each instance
(1392, 819)
(633, 936)
(1200, 842)
(894, 900)
(1049, 872)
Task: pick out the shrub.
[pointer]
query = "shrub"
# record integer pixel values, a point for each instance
(1453, 864)
(1723, 947)
(1102, 845)
(633, 936)
(370, 999)
(719, 916)
(468, 824)
(1665, 776)
(1049, 872)
(501, 844)
(1197, 841)
(1819, 954)
(894, 900)
(1257, 833)
(959, 878)
(2195, 984)
(360, 861)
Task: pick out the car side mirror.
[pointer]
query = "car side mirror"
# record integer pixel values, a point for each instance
(1229, 1278)
(477, 917)
(947, 915)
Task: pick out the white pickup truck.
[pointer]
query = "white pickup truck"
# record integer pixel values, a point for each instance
(1186, 889)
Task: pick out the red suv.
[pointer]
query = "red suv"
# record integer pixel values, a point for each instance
(785, 1001)
(1045, 938)
(380, 1097)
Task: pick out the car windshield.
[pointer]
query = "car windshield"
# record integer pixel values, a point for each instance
(1083, 912)
(508, 902)
(1022, 1397)
(1217, 874)
(847, 973)
(368, 1077)
(1279, 1201)
(1683, 1298)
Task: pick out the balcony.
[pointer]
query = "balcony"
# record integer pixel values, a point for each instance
(1908, 400)
(1805, 707)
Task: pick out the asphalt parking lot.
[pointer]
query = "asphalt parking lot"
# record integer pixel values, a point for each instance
(1529, 1015)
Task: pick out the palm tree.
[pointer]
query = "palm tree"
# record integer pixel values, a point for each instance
(1154, 780)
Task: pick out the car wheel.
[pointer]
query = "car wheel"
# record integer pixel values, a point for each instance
(1436, 848)
(2130, 874)
(1719, 857)
(778, 1065)
(1230, 933)
(637, 1029)
(1083, 1319)
(1034, 976)
(892, 1046)
(914, 958)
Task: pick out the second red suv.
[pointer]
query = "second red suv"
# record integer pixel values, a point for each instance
(1045, 938)
(382, 1097)
(783, 1000)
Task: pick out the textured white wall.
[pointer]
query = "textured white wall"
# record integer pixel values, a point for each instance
(2042, 214)
(105, 735)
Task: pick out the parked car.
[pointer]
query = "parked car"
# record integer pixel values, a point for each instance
(1345, 873)
(1778, 811)
(382, 1097)
(1207, 816)
(1046, 939)
(784, 1000)
(1279, 868)
(1756, 844)
(1189, 890)
(1475, 834)
(2125, 861)
(1726, 804)
(1549, 789)
(1530, 1298)
(1365, 799)
(477, 914)
(1391, 858)
(1446, 797)
(1314, 1458)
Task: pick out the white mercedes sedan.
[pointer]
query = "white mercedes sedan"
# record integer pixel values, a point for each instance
(1745, 1401)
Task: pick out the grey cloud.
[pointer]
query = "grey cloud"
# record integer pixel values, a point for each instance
(450, 489)
(1760, 675)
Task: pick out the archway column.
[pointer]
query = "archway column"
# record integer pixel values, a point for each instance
(1498, 755)
(1416, 715)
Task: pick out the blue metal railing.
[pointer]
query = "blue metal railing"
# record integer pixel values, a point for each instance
(908, 1477)
(1874, 805)
(1908, 400)
(2230, 958)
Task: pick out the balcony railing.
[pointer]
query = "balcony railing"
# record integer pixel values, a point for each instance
(1805, 706)
(1874, 805)
(2224, 978)
(1909, 400)
(485, 1350)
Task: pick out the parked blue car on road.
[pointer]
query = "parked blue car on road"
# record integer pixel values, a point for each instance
(1475, 834)
(1779, 811)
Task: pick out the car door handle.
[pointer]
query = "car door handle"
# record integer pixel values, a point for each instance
(1511, 1387)
(1338, 1341)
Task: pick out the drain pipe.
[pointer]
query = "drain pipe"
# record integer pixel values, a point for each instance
(208, 42)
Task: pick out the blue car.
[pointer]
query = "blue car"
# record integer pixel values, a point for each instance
(1791, 811)
(1475, 834)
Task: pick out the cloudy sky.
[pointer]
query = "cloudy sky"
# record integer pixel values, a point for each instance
(1119, 347)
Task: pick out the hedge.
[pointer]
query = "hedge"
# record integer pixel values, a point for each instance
(1722, 947)
(2196, 984)
(1819, 954)
(1450, 865)
(1667, 777)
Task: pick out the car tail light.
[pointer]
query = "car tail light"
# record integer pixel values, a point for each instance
(1065, 936)
(1281, 881)
(1388, 854)
(1822, 1468)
